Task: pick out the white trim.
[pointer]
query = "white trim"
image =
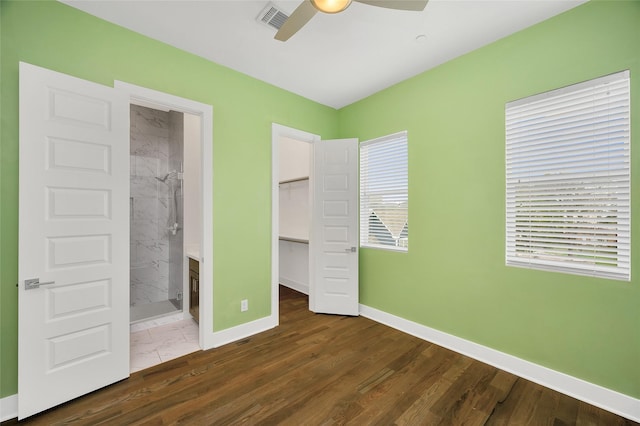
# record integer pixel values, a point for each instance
(9, 407)
(590, 393)
(295, 285)
(147, 96)
(598, 396)
(278, 131)
(387, 248)
(621, 75)
(9, 404)
(403, 134)
(233, 334)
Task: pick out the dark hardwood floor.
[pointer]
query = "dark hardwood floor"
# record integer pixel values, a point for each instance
(325, 370)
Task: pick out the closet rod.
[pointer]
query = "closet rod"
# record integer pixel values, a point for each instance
(294, 240)
(294, 180)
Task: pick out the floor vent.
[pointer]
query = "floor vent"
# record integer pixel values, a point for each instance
(272, 16)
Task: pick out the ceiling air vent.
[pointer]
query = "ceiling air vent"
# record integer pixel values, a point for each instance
(272, 16)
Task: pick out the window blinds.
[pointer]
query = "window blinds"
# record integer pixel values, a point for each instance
(384, 203)
(568, 179)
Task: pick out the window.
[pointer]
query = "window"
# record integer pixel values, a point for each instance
(384, 201)
(567, 176)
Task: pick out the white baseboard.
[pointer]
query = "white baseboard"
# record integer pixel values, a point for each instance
(219, 338)
(9, 407)
(9, 404)
(593, 394)
(302, 288)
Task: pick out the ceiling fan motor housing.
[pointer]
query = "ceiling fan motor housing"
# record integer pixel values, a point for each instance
(331, 6)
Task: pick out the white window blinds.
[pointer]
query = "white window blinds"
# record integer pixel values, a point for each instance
(384, 201)
(567, 178)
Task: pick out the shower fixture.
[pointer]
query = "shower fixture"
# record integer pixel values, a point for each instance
(173, 228)
(173, 174)
(171, 179)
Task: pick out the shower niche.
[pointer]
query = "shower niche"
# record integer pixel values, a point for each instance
(156, 212)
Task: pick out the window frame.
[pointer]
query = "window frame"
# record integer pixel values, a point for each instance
(401, 179)
(566, 190)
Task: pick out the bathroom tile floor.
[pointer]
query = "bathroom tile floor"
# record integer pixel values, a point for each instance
(159, 344)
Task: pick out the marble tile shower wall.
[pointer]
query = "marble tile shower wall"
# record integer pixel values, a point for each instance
(176, 161)
(149, 205)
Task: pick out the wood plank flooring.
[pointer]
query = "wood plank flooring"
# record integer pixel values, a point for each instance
(325, 370)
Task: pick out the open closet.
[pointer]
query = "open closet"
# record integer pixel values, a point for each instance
(294, 168)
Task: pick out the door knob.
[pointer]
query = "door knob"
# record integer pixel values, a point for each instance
(350, 250)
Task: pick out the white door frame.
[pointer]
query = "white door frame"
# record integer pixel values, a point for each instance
(278, 131)
(141, 95)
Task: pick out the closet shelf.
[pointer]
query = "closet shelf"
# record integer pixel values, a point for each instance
(300, 179)
(294, 240)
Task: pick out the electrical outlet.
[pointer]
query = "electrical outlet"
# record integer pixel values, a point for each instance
(244, 305)
(178, 295)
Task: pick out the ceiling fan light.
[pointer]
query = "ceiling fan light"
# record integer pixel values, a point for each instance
(331, 6)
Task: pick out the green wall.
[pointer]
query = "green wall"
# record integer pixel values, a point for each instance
(454, 276)
(58, 37)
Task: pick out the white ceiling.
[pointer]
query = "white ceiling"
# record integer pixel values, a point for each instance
(335, 59)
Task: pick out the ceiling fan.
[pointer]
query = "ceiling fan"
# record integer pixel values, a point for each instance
(308, 8)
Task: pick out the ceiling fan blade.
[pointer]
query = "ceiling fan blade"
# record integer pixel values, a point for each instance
(297, 20)
(415, 5)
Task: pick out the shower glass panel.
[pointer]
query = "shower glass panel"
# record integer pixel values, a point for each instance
(156, 212)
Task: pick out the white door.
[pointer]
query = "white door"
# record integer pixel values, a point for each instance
(73, 330)
(333, 259)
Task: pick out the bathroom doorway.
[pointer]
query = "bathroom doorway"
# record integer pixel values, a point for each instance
(165, 234)
(183, 181)
(197, 191)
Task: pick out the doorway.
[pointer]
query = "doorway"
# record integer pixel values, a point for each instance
(198, 233)
(332, 221)
(292, 180)
(165, 235)
(295, 217)
(195, 198)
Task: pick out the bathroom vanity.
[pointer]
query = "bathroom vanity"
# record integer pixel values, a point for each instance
(194, 286)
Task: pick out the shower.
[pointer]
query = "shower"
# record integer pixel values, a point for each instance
(156, 232)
